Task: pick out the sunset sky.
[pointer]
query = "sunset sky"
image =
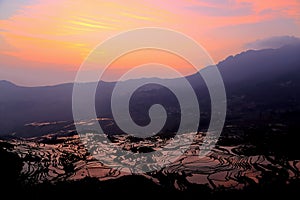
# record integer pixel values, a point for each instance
(45, 41)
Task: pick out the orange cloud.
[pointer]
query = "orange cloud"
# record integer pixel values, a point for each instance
(128, 61)
(63, 32)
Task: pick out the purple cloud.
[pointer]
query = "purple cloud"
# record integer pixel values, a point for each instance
(273, 42)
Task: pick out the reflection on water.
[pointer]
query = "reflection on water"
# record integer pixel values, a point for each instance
(65, 158)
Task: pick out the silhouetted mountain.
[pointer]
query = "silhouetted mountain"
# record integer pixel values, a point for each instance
(255, 81)
(253, 67)
(269, 77)
(7, 84)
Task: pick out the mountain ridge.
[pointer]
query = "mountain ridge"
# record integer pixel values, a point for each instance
(258, 75)
(220, 64)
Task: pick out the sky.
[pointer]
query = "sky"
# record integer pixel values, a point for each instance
(44, 42)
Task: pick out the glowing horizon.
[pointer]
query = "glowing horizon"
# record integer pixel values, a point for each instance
(45, 41)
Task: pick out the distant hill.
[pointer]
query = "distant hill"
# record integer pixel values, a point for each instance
(256, 82)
